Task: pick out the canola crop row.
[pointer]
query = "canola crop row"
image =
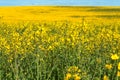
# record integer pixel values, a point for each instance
(60, 50)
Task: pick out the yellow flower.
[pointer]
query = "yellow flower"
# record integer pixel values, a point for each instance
(50, 47)
(76, 77)
(119, 66)
(105, 77)
(68, 76)
(108, 66)
(73, 69)
(114, 57)
(118, 73)
(79, 70)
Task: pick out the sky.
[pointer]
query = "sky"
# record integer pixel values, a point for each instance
(60, 2)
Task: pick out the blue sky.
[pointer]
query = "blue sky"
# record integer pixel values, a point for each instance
(60, 2)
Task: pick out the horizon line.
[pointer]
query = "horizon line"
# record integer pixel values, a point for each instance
(61, 5)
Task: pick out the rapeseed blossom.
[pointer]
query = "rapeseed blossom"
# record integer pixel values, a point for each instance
(76, 77)
(108, 66)
(105, 77)
(118, 73)
(114, 57)
(119, 66)
(68, 76)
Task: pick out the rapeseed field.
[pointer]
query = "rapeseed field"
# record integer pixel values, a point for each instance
(59, 43)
